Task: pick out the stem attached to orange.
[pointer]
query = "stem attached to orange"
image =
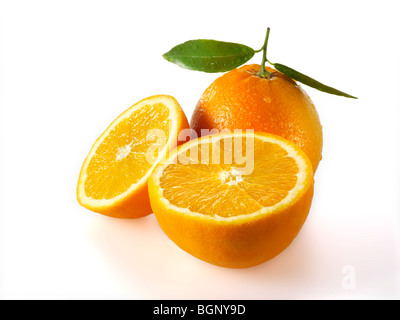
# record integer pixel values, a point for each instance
(264, 73)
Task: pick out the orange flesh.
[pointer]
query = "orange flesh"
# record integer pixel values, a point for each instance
(220, 187)
(120, 160)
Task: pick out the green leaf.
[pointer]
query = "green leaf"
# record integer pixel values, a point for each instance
(298, 76)
(209, 55)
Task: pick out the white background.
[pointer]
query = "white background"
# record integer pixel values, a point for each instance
(68, 68)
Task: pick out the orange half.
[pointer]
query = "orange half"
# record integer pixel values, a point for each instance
(114, 175)
(233, 200)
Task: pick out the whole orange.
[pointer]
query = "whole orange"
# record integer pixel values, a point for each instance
(242, 99)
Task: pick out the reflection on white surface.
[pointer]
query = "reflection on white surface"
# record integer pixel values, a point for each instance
(315, 265)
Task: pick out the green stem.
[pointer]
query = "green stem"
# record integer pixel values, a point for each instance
(264, 73)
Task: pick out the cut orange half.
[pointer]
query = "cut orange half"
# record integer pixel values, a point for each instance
(114, 175)
(233, 199)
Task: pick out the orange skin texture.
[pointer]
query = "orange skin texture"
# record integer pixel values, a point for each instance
(233, 244)
(240, 99)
